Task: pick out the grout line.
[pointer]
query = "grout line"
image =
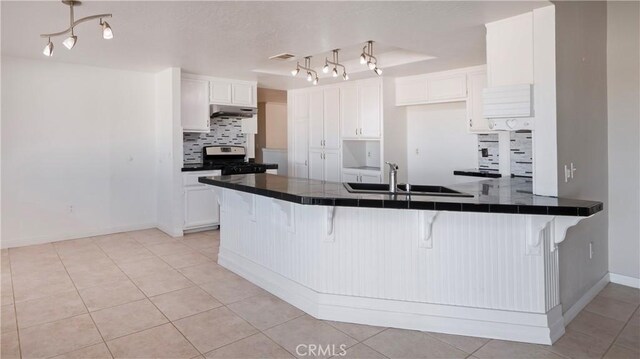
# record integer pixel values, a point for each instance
(613, 342)
(83, 303)
(15, 310)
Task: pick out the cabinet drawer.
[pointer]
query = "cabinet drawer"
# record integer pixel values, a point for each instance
(191, 179)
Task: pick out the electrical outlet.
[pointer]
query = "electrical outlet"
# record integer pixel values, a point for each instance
(590, 250)
(567, 174)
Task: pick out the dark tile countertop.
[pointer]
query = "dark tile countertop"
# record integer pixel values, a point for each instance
(475, 172)
(192, 167)
(503, 195)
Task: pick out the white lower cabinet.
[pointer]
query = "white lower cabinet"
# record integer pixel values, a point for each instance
(361, 176)
(201, 209)
(324, 165)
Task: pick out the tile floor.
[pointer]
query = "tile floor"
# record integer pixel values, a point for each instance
(145, 295)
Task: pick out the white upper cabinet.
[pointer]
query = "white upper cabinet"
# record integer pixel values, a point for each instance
(431, 88)
(316, 119)
(243, 94)
(361, 109)
(299, 132)
(510, 51)
(370, 108)
(331, 111)
(411, 90)
(349, 110)
(220, 92)
(194, 105)
(448, 87)
(476, 122)
(227, 92)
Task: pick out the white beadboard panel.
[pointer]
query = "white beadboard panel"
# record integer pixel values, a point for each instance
(476, 259)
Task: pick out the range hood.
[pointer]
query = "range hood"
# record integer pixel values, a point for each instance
(232, 111)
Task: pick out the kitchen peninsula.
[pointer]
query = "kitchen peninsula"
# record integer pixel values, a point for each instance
(482, 265)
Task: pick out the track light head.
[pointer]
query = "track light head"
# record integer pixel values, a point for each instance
(325, 69)
(363, 59)
(315, 80)
(378, 71)
(107, 33)
(371, 65)
(334, 72)
(345, 76)
(295, 71)
(70, 41)
(309, 76)
(48, 50)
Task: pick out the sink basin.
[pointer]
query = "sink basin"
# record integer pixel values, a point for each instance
(416, 190)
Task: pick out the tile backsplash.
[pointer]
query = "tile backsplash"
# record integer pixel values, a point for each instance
(521, 152)
(488, 152)
(224, 131)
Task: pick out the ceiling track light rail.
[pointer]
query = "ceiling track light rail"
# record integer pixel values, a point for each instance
(335, 63)
(70, 41)
(367, 58)
(312, 75)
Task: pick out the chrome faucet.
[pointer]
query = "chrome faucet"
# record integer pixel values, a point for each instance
(393, 177)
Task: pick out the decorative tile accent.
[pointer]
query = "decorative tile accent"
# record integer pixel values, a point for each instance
(489, 142)
(521, 153)
(224, 131)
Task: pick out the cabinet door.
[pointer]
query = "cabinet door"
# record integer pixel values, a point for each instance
(349, 111)
(316, 119)
(366, 177)
(194, 105)
(369, 105)
(510, 51)
(200, 207)
(350, 177)
(447, 87)
(242, 94)
(220, 92)
(411, 91)
(332, 118)
(332, 166)
(300, 144)
(475, 121)
(316, 165)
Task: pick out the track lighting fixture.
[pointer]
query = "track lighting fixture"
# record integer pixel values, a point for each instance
(325, 69)
(367, 58)
(48, 50)
(71, 41)
(312, 75)
(335, 62)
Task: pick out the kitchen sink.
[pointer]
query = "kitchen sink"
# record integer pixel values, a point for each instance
(416, 190)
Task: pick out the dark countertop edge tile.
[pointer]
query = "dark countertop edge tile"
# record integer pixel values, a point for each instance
(269, 166)
(476, 173)
(577, 211)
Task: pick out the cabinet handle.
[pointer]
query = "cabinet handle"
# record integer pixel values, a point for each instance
(470, 122)
(356, 131)
(305, 162)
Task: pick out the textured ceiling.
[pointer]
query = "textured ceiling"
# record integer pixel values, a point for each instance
(232, 39)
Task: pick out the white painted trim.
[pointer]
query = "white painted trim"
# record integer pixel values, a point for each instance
(21, 242)
(571, 313)
(488, 323)
(624, 280)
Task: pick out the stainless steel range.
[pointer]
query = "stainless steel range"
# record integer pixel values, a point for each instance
(230, 160)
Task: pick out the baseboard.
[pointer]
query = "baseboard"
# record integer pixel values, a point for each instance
(540, 328)
(624, 280)
(12, 243)
(571, 313)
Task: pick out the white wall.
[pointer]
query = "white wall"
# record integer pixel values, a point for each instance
(169, 152)
(439, 132)
(623, 92)
(78, 151)
(581, 88)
